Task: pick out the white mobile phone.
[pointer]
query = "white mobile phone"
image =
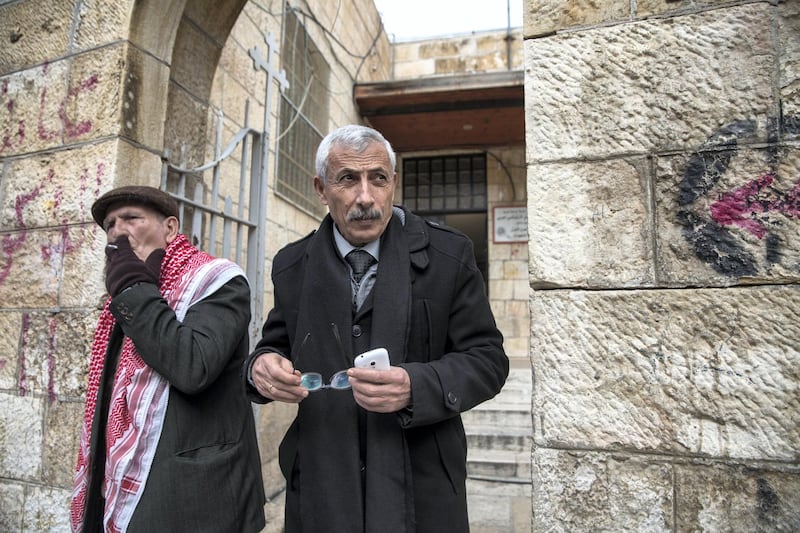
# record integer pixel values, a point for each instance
(377, 359)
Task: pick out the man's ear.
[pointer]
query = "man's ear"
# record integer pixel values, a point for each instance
(173, 227)
(319, 186)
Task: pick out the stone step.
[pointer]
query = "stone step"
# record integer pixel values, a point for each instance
(499, 465)
(493, 438)
(498, 414)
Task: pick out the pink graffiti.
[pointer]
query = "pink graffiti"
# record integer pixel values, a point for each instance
(81, 128)
(14, 137)
(748, 206)
(11, 243)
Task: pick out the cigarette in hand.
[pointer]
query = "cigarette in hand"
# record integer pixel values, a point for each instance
(112, 246)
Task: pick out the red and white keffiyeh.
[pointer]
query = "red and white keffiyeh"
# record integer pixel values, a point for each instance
(139, 397)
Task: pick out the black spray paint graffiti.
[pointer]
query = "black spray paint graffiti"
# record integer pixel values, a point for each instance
(746, 207)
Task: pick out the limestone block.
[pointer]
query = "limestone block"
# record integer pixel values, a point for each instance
(726, 215)
(47, 509)
(647, 8)
(20, 437)
(789, 42)
(710, 372)
(144, 99)
(55, 189)
(198, 55)
(30, 114)
(10, 327)
(95, 98)
(22, 286)
(100, 22)
(34, 32)
(188, 116)
(583, 491)
(12, 499)
(736, 498)
(416, 69)
(602, 238)
(62, 433)
(82, 277)
(54, 353)
(134, 165)
(542, 17)
(212, 17)
(658, 84)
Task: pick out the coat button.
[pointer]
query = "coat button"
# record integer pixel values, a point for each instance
(357, 331)
(451, 397)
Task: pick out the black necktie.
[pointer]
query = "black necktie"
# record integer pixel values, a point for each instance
(360, 261)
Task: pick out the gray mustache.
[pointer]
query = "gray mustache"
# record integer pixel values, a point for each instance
(364, 214)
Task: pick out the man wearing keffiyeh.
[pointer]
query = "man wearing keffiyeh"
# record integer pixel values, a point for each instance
(168, 440)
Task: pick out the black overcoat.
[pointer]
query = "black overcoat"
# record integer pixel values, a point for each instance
(206, 473)
(349, 471)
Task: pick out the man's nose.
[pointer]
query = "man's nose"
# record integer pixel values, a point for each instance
(365, 195)
(114, 233)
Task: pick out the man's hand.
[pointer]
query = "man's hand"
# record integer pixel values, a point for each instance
(124, 269)
(381, 391)
(275, 378)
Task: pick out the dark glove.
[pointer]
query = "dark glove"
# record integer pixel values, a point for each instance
(124, 269)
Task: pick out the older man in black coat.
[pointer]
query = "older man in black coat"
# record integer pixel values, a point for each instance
(385, 451)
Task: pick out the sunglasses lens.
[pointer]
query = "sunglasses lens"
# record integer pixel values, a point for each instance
(311, 381)
(340, 380)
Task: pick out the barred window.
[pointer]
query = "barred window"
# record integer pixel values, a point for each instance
(445, 184)
(303, 116)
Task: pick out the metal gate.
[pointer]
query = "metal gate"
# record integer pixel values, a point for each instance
(226, 214)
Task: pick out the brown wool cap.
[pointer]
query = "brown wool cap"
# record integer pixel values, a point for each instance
(135, 195)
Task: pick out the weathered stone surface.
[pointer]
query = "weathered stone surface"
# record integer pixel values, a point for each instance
(56, 189)
(12, 498)
(789, 37)
(646, 8)
(82, 276)
(92, 107)
(736, 498)
(587, 491)
(458, 54)
(47, 509)
(20, 437)
(62, 431)
(30, 115)
(583, 491)
(710, 372)
(55, 354)
(728, 215)
(100, 22)
(33, 32)
(144, 99)
(602, 238)
(660, 84)
(22, 286)
(542, 17)
(10, 327)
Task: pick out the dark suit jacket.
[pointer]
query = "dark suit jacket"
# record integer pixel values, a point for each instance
(350, 471)
(206, 474)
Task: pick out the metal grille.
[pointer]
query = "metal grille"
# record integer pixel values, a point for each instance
(445, 184)
(303, 112)
(220, 208)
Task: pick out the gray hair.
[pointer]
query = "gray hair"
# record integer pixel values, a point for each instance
(351, 136)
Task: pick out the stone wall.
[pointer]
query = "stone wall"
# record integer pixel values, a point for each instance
(663, 168)
(475, 52)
